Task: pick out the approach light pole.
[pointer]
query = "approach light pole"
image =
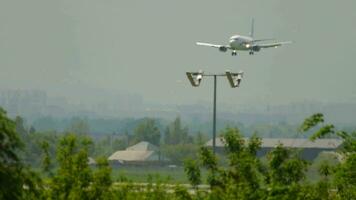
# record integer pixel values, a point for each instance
(234, 79)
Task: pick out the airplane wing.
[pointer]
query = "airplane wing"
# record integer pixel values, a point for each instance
(212, 45)
(275, 44)
(261, 40)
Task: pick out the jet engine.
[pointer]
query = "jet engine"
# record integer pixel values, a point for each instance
(256, 48)
(222, 49)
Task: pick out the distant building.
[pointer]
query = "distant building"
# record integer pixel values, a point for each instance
(310, 149)
(91, 161)
(143, 152)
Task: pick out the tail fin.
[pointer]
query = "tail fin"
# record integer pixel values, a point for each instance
(252, 27)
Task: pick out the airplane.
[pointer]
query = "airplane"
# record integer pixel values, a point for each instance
(244, 43)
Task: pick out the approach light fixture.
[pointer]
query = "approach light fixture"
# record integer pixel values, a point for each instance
(195, 77)
(234, 79)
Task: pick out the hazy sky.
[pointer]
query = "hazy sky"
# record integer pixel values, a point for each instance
(73, 48)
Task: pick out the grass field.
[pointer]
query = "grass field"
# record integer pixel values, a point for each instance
(142, 174)
(145, 174)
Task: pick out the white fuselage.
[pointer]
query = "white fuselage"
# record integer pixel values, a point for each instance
(241, 43)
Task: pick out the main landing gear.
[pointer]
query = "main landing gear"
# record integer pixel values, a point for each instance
(233, 53)
(251, 52)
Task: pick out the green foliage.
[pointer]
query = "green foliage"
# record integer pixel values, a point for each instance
(191, 168)
(101, 180)
(79, 126)
(73, 176)
(20, 126)
(181, 193)
(311, 122)
(349, 141)
(32, 130)
(323, 131)
(148, 131)
(200, 139)
(107, 145)
(345, 177)
(33, 148)
(176, 134)
(74, 179)
(46, 160)
(9, 139)
(208, 159)
(244, 176)
(14, 175)
(233, 140)
(344, 173)
(286, 167)
(179, 152)
(325, 169)
(178, 145)
(282, 178)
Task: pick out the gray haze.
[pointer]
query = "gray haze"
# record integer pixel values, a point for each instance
(84, 49)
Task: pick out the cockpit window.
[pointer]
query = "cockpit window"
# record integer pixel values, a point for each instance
(234, 37)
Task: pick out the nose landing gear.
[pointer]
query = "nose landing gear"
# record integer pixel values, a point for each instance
(251, 52)
(233, 53)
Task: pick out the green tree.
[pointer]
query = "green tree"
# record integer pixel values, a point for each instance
(200, 138)
(179, 152)
(32, 130)
(79, 126)
(246, 177)
(344, 173)
(176, 134)
(46, 159)
(14, 176)
(109, 144)
(73, 176)
(100, 188)
(148, 131)
(20, 126)
(286, 166)
(33, 147)
(191, 168)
